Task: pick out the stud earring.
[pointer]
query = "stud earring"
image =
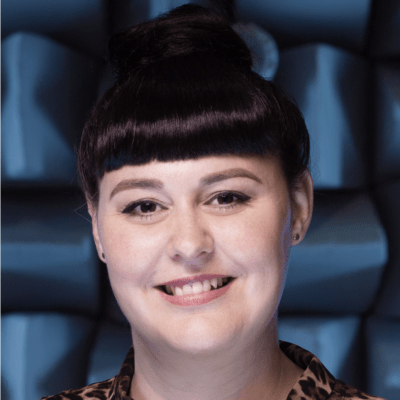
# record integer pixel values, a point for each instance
(296, 236)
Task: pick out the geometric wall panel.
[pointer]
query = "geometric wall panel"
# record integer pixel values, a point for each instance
(78, 24)
(385, 37)
(330, 88)
(334, 340)
(341, 23)
(388, 301)
(339, 264)
(387, 121)
(47, 93)
(49, 261)
(43, 354)
(383, 349)
(112, 344)
(129, 12)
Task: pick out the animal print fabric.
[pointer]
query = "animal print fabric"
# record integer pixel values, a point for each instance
(316, 383)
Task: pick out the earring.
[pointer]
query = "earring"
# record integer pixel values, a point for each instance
(296, 236)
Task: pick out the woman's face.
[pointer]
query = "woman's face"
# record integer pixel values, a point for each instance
(226, 215)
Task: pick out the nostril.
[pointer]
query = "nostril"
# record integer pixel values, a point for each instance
(177, 257)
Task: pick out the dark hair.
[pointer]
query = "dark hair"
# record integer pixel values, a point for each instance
(185, 89)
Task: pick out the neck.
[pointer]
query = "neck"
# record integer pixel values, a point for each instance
(252, 372)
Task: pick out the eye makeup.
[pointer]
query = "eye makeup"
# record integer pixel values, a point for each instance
(146, 209)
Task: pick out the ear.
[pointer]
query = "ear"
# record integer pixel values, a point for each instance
(95, 230)
(302, 196)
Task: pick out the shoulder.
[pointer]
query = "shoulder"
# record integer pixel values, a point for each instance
(341, 391)
(99, 390)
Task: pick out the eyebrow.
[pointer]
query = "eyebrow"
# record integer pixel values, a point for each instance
(207, 180)
(228, 174)
(137, 184)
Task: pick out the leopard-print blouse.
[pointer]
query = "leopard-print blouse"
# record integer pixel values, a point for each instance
(316, 382)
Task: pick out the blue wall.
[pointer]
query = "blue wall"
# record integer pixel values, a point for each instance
(341, 62)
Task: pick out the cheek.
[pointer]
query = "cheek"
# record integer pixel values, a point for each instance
(259, 243)
(258, 248)
(131, 252)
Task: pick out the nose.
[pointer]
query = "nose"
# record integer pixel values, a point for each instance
(190, 241)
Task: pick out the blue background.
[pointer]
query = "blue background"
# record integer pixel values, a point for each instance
(61, 327)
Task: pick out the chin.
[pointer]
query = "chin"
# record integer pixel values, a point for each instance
(202, 340)
(202, 347)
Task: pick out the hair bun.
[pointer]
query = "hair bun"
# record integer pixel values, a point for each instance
(188, 29)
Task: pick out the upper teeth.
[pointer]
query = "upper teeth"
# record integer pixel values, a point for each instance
(196, 287)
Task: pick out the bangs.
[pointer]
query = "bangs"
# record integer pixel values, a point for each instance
(185, 108)
(185, 89)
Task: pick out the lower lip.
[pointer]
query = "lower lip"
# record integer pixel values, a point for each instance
(198, 298)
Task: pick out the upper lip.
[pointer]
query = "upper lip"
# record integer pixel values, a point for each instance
(192, 279)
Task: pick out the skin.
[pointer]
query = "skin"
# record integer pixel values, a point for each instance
(228, 348)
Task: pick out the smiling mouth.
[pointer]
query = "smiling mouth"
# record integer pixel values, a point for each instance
(196, 287)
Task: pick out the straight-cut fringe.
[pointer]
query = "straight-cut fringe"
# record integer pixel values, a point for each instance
(188, 106)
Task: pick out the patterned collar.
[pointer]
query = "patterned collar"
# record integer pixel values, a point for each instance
(316, 382)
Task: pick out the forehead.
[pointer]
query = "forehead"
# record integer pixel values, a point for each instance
(190, 174)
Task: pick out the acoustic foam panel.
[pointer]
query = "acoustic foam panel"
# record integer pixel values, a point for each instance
(79, 24)
(334, 340)
(330, 88)
(46, 95)
(49, 261)
(339, 264)
(291, 22)
(387, 122)
(112, 344)
(43, 354)
(385, 32)
(383, 350)
(388, 301)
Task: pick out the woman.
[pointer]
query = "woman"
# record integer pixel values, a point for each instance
(195, 174)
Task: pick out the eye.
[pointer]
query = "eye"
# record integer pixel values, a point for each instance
(228, 200)
(143, 208)
(147, 207)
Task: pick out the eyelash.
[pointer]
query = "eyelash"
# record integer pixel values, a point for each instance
(240, 199)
